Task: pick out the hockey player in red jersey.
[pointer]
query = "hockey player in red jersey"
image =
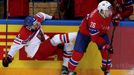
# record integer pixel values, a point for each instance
(32, 38)
(94, 27)
(122, 8)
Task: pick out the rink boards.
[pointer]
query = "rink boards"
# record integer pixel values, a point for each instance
(90, 64)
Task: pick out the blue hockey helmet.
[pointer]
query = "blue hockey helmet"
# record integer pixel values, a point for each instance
(29, 21)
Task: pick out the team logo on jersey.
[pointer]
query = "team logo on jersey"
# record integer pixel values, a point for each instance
(105, 27)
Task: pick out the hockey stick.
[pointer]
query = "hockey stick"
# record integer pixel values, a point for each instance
(6, 52)
(112, 35)
(111, 45)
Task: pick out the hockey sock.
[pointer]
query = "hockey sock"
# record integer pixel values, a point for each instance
(66, 57)
(106, 60)
(73, 62)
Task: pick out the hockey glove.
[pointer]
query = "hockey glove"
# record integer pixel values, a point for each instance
(108, 47)
(116, 20)
(7, 60)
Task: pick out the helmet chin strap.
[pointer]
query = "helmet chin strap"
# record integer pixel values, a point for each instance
(102, 14)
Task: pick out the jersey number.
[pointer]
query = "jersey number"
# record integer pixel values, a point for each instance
(92, 25)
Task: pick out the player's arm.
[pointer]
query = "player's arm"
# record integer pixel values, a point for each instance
(42, 16)
(17, 45)
(97, 39)
(19, 41)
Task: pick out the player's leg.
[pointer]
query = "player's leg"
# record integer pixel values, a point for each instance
(106, 57)
(63, 38)
(67, 53)
(81, 44)
(67, 39)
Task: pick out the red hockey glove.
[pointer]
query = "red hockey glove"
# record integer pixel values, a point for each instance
(7, 60)
(108, 47)
(116, 20)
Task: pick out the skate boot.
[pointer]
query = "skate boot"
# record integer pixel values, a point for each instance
(72, 73)
(64, 70)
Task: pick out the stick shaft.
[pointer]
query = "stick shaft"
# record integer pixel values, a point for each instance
(112, 35)
(6, 29)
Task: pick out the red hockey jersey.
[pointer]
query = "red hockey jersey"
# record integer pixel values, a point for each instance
(95, 25)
